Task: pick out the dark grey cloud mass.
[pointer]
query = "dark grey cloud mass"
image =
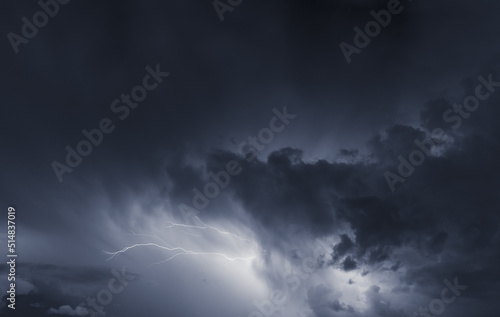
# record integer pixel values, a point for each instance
(267, 174)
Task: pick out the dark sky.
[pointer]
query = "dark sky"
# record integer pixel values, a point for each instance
(255, 171)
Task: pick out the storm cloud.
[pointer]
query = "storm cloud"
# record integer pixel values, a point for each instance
(206, 200)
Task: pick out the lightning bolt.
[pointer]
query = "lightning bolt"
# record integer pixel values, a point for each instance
(180, 250)
(151, 236)
(203, 227)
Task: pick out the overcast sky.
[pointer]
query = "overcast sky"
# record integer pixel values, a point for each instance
(251, 158)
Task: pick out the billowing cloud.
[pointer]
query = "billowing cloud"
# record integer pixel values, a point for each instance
(383, 186)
